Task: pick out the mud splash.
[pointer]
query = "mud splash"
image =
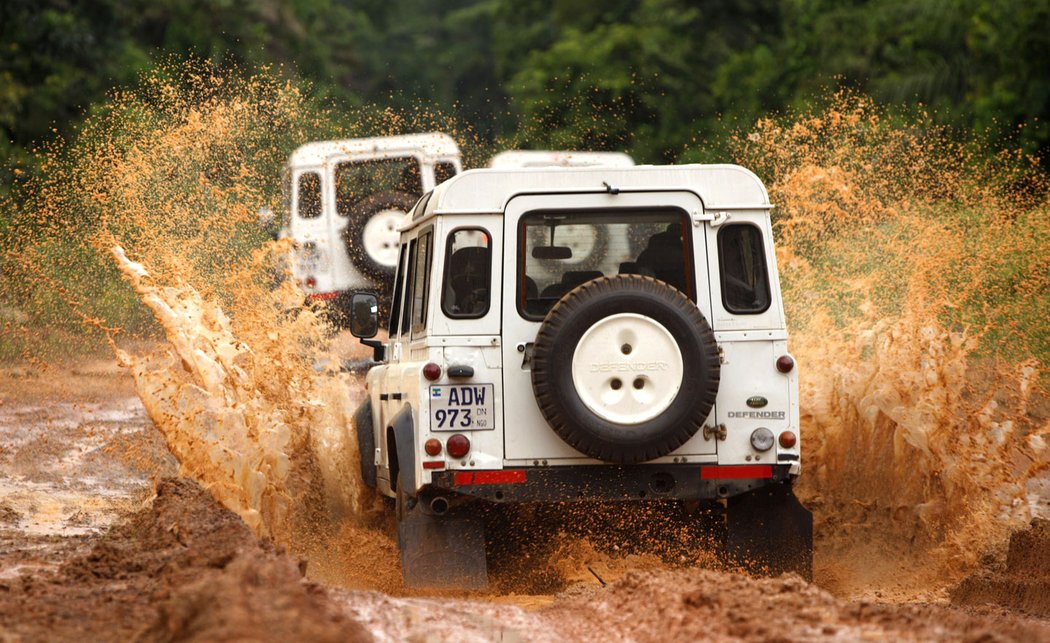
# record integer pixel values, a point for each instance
(251, 444)
(915, 278)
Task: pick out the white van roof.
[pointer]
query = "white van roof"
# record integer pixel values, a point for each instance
(544, 158)
(432, 146)
(485, 191)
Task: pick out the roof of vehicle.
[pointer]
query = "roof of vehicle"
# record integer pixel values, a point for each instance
(545, 158)
(720, 187)
(432, 145)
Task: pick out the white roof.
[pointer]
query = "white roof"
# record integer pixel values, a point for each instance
(432, 146)
(543, 158)
(720, 187)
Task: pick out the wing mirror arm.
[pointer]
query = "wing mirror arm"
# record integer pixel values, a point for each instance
(378, 349)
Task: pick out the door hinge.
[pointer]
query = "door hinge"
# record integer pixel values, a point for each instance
(717, 432)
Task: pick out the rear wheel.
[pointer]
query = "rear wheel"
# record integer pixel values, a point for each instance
(769, 531)
(439, 551)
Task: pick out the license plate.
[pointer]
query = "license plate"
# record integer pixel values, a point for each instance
(462, 407)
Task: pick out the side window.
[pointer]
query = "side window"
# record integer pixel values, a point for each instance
(309, 195)
(395, 305)
(468, 274)
(742, 262)
(410, 270)
(443, 171)
(421, 282)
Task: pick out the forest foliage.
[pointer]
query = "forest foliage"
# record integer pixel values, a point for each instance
(661, 79)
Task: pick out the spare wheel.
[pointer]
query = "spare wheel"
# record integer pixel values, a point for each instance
(625, 369)
(372, 234)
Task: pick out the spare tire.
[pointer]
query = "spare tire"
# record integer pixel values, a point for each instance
(372, 234)
(625, 369)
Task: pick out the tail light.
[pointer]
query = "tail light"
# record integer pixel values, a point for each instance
(431, 371)
(458, 445)
(785, 363)
(788, 440)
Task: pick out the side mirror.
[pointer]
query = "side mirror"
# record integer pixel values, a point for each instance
(364, 315)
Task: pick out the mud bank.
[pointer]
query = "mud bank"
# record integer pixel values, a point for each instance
(184, 567)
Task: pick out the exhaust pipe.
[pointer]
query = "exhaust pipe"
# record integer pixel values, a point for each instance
(439, 505)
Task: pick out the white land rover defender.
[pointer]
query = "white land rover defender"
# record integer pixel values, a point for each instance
(510, 159)
(346, 201)
(584, 334)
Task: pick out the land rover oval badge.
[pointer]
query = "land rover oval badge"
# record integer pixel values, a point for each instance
(757, 401)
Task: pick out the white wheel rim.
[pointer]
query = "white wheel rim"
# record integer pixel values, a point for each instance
(627, 368)
(381, 236)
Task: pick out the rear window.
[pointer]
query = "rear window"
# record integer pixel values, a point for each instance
(742, 262)
(355, 181)
(309, 195)
(468, 274)
(444, 171)
(562, 250)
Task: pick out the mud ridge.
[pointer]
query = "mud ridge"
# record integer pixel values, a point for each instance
(713, 605)
(1023, 583)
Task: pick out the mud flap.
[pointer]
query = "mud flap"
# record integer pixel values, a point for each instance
(769, 531)
(442, 552)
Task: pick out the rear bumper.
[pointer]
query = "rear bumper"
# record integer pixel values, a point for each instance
(610, 482)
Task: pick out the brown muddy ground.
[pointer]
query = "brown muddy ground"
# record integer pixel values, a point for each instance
(99, 541)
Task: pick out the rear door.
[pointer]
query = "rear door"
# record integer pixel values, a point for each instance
(610, 235)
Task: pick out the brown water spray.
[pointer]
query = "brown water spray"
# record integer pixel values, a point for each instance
(916, 288)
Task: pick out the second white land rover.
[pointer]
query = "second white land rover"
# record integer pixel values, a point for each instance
(346, 201)
(584, 334)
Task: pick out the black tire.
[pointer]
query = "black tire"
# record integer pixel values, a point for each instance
(561, 405)
(366, 443)
(361, 213)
